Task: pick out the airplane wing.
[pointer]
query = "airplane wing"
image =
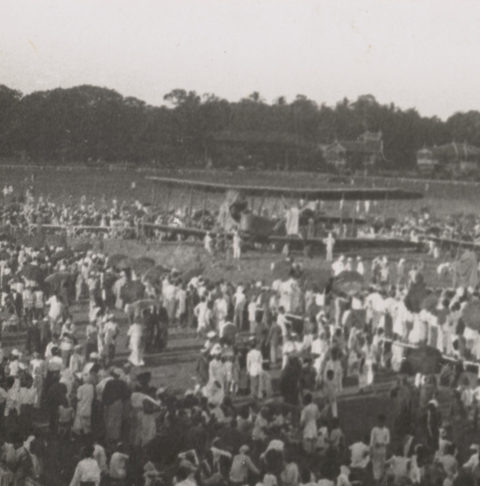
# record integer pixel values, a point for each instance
(346, 244)
(452, 242)
(323, 194)
(75, 227)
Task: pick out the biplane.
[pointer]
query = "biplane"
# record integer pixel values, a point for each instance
(255, 227)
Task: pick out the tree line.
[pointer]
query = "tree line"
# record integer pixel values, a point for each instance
(89, 124)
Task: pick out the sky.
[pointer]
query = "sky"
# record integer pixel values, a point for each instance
(421, 54)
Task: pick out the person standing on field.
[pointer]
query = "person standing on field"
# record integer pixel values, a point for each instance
(237, 245)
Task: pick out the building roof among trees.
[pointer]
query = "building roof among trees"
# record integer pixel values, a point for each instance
(367, 143)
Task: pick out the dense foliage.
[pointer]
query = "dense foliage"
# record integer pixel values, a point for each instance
(90, 124)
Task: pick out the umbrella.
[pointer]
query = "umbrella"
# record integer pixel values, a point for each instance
(429, 303)
(416, 295)
(82, 246)
(471, 315)
(32, 272)
(115, 259)
(425, 360)
(156, 273)
(62, 254)
(132, 291)
(194, 272)
(142, 264)
(57, 278)
(434, 230)
(124, 264)
(229, 332)
(142, 304)
(348, 282)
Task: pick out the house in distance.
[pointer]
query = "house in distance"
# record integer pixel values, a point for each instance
(363, 153)
(452, 158)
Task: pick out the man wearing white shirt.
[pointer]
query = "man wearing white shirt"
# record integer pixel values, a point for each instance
(254, 369)
(282, 321)
(338, 266)
(169, 292)
(54, 313)
(360, 455)
(329, 244)
(201, 313)
(360, 266)
(239, 300)
(220, 309)
(87, 470)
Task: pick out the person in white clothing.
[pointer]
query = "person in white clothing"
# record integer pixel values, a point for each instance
(254, 369)
(201, 313)
(360, 266)
(118, 464)
(55, 312)
(338, 266)
(87, 470)
(237, 245)
(359, 455)
(379, 442)
(135, 334)
(329, 244)
(208, 243)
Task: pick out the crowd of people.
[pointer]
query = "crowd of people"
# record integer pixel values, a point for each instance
(276, 362)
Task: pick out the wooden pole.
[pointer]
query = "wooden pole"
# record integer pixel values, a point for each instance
(152, 197)
(167, 207)
(262, 201)
(204, 208)
(190, 198)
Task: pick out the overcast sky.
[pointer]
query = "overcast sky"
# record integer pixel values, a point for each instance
(415, 53)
